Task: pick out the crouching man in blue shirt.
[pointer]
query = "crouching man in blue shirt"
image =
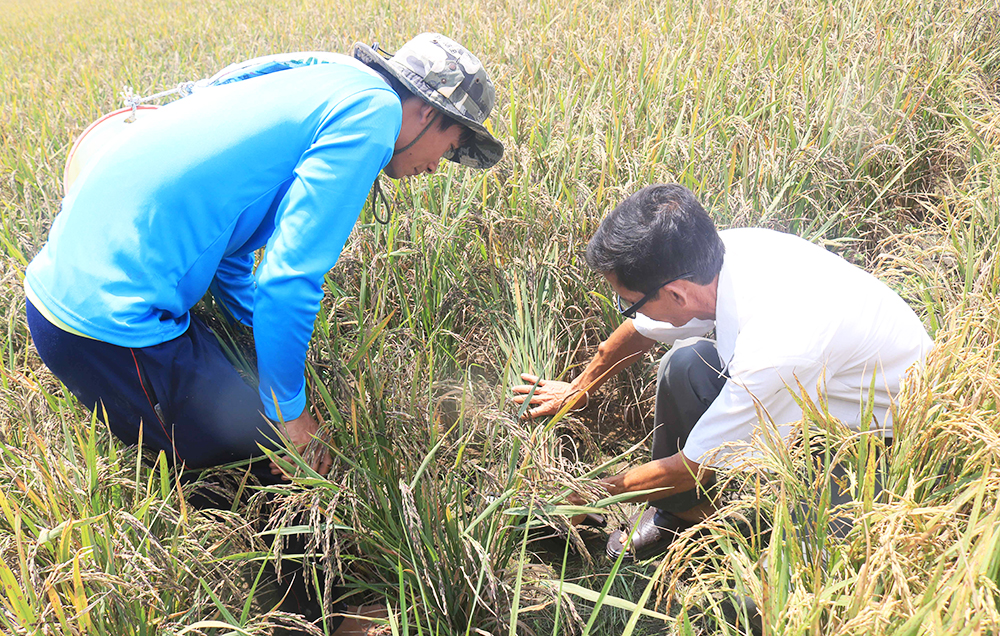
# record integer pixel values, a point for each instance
(180, 203)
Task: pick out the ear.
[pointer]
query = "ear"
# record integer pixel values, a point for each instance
(426, 113)
(678, 294)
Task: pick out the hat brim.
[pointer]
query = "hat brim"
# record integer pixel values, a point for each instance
(482, 151)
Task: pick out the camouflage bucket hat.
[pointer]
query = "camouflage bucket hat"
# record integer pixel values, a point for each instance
(447, 76)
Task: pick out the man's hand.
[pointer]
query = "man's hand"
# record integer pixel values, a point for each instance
(623, 348)
(577, 500)
(300, 432)
(549, 397)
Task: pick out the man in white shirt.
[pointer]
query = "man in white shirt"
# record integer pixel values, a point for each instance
(785, 313)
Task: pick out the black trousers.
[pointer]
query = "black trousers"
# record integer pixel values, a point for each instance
(688, 381)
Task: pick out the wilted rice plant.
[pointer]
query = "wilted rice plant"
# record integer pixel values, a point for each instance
(436, 528)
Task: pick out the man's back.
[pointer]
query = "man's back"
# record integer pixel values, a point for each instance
(147, 224)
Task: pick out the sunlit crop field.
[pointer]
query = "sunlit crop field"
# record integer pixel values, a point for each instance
(871, 127)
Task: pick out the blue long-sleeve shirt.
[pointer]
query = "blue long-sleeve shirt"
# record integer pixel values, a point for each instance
(180, 203)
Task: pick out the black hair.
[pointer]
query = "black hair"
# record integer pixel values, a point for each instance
(658, 233)
(445, 122)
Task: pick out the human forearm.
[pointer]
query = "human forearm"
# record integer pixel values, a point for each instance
(233, 287)
(676, 474)
(620, 350)
(613, 355)
(284, 313)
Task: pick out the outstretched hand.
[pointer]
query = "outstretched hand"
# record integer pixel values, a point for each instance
(549, 397)
(300, 432)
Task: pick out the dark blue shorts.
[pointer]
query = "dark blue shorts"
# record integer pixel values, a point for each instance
(185, 394)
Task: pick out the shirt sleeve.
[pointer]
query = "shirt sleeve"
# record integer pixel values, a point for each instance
(233, 287)
(312, 223)
(667, 333)
(762, 386)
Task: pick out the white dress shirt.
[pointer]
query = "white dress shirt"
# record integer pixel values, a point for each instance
(790, 313)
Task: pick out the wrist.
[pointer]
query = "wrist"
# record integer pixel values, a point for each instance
(615, 485)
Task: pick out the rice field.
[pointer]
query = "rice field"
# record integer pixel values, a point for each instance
(871, 127)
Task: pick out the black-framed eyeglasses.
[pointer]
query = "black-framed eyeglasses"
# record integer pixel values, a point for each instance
(630, 311)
